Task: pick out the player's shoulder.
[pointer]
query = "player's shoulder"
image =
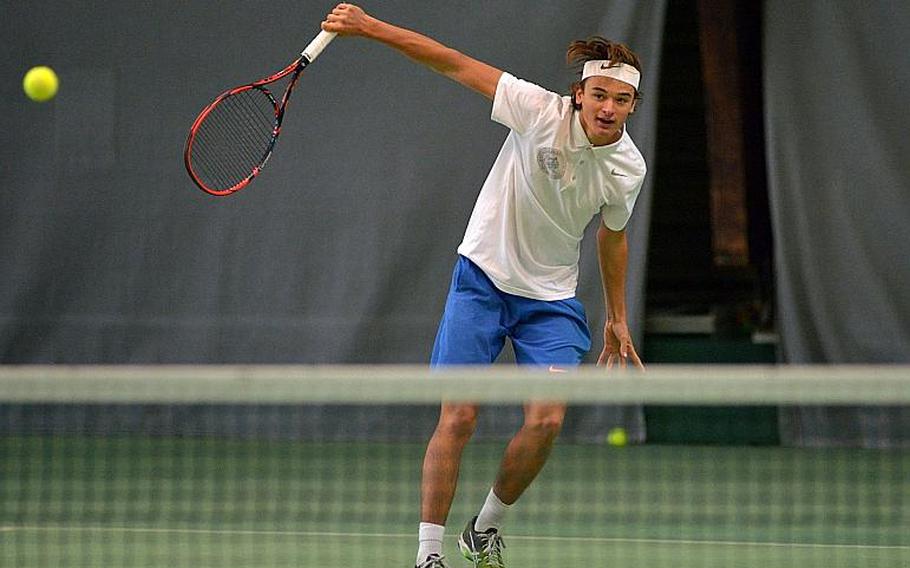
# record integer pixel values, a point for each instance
(527, 91)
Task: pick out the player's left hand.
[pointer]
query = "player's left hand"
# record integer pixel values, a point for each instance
(618, 347)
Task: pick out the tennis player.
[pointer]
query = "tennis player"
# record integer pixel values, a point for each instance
(566, 160)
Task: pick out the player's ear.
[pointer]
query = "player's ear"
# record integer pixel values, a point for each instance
(634, 106)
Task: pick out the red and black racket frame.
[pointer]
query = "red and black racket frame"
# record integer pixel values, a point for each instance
(294, 69)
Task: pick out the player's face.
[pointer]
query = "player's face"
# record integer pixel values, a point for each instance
(606, 103)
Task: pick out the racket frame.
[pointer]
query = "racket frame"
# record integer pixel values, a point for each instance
(307, 56)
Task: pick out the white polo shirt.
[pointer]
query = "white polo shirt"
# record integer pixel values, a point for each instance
(546, 185)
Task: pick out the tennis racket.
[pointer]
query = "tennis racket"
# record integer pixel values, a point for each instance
(233, 137)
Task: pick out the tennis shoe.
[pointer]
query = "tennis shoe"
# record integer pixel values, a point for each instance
(433, 561)
(484, 549)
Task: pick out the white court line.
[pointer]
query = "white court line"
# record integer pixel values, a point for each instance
(574, 539)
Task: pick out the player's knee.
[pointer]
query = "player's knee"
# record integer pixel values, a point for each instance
(546, 424)
(458, 421)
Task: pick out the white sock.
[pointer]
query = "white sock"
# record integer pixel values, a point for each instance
(430, 541)
(492, 513)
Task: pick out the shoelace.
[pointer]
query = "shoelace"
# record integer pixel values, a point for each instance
(492, 550)
(433, 562)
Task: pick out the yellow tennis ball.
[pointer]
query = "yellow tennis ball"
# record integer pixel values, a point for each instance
(617, 437)
(40, 83)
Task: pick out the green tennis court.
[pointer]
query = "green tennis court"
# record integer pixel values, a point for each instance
(147, 501)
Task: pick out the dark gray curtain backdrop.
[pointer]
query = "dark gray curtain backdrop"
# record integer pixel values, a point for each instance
(341, 252)
(836, 85)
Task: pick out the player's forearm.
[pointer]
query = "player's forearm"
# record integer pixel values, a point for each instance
(418, 47)
(450, 62)
(347, 19)
(613, 256)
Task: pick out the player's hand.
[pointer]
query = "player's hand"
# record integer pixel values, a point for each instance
(346, 19)
(618, 347)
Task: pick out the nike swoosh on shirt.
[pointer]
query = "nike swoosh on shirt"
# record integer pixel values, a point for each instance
(617, 173)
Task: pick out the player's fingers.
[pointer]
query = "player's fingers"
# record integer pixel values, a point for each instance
(338, 23)
(331, 25)
(626, 343)
(340, 10)
(636, 360)
(629, 354)
(347, 9)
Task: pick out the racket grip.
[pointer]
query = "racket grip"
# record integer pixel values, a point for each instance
(312, 51)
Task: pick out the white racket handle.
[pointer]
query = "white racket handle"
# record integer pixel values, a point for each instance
(316, 46)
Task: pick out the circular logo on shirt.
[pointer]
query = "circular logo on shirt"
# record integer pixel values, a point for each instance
(551, 161)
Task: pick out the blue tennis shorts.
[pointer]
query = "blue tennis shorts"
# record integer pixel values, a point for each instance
(478, 317)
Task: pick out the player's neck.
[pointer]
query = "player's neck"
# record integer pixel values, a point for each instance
(606, 140)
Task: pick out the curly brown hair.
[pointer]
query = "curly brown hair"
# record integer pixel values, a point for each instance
(596, 48)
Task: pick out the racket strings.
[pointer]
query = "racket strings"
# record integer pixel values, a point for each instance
(234, 139)
(243, 123)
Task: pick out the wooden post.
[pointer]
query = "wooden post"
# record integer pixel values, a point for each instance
(726, 144)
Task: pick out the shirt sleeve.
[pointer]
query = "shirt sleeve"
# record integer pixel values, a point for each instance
(519, 104)
(616, 216)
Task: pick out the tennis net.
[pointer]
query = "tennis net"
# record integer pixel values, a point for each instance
(280, 466)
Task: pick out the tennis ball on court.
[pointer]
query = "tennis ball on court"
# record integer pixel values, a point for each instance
(40, 83)
(617, 437)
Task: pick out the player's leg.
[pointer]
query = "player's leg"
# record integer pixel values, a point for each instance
(551, 334)
(440, 475)
(470, 333)
(524, 457)
(443, 459)
(555, 335)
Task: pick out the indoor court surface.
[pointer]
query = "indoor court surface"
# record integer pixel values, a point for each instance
(117, 501)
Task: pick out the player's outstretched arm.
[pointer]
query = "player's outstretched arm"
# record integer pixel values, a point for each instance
(350, 20)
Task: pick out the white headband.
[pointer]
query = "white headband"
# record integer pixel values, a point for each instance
(603, 68)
